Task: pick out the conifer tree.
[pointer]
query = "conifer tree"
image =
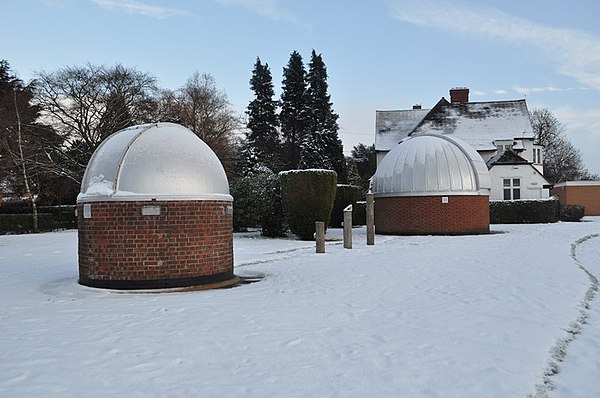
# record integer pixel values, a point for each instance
(263, 145)
(321, 148)
(294, 112)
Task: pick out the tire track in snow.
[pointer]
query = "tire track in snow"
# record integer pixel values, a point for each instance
(559, 351)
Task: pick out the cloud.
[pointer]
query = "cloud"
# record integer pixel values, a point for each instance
(135, 7)
(500, 92)
(575, 53)
(267, 8)
(478, 93)
(527, 90)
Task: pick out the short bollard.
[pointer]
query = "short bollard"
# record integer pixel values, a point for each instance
(348, 227)
(370, 219)
(320, 236)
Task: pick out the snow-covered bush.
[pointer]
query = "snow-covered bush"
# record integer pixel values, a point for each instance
(257, 203)
(523, 211)
(245, 212)
(571, 212)
(344, 195)
(307, 197)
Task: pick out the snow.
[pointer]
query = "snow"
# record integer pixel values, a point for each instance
(301, 171)
(99, 186)
(415, 316)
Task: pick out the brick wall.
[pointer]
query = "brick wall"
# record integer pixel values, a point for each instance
(420, 215)
(584, 195)
(189, 243)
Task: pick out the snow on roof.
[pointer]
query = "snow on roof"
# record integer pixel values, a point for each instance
(479, 123)
(584, 183)
(430, 164)
(392, 126)
(162, 161)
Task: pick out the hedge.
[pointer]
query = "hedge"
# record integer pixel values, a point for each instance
(50, 218)
(359, 213)
(307, 196)
(524, 211)
(344, 195)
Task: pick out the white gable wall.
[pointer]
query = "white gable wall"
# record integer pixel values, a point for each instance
(531, 181)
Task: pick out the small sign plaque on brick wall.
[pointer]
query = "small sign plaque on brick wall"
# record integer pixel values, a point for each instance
(150, 210)
(444, 199)
(87, 210)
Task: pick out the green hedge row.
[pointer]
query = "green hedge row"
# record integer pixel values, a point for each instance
(50, 218)
(524, 211)
(344, 195)
(307, 196)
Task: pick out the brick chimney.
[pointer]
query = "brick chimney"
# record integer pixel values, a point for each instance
(459, 94)
(417, 106)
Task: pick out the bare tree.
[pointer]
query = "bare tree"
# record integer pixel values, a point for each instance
(200, 106)
(22, 155)
(86, 104)
(562, 161)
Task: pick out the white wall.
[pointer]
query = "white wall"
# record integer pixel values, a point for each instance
(532, 181)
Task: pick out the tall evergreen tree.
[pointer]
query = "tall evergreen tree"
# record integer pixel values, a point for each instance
(322, 148)
(263, 145)
(294, 112)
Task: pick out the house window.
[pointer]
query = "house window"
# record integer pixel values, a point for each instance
(537, 155)
(512, 188)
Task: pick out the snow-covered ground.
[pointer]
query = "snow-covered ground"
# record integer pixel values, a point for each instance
(420, 316)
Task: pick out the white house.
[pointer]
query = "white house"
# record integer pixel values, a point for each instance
(499, 130)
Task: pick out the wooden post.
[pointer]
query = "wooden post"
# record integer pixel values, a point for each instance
(320, 236)
(370, 219)
(348, 227)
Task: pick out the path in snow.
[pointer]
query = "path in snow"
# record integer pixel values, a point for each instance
(578, 373)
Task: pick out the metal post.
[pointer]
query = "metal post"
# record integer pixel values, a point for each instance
(320, 236)
(370, 219)
(348, 227)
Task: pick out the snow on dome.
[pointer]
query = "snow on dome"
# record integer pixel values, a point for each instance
(431, 164)
(162, 161)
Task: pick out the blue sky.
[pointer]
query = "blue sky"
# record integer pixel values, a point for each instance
(380, 54)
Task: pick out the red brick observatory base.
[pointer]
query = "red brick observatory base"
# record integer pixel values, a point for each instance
(427, 215)
(155, 244)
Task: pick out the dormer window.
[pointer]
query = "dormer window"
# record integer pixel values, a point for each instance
(503, 147)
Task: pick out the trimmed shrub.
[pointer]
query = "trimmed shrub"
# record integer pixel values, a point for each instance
(359, 213)
(344, 195)
(571, 212)
(307, 197)
(523, 211)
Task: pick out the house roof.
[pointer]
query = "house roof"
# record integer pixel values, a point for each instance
(392, 126)
(507, 157)
(477, 123)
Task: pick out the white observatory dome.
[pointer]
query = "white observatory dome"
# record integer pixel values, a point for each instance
(161, 161)
(431, 164)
